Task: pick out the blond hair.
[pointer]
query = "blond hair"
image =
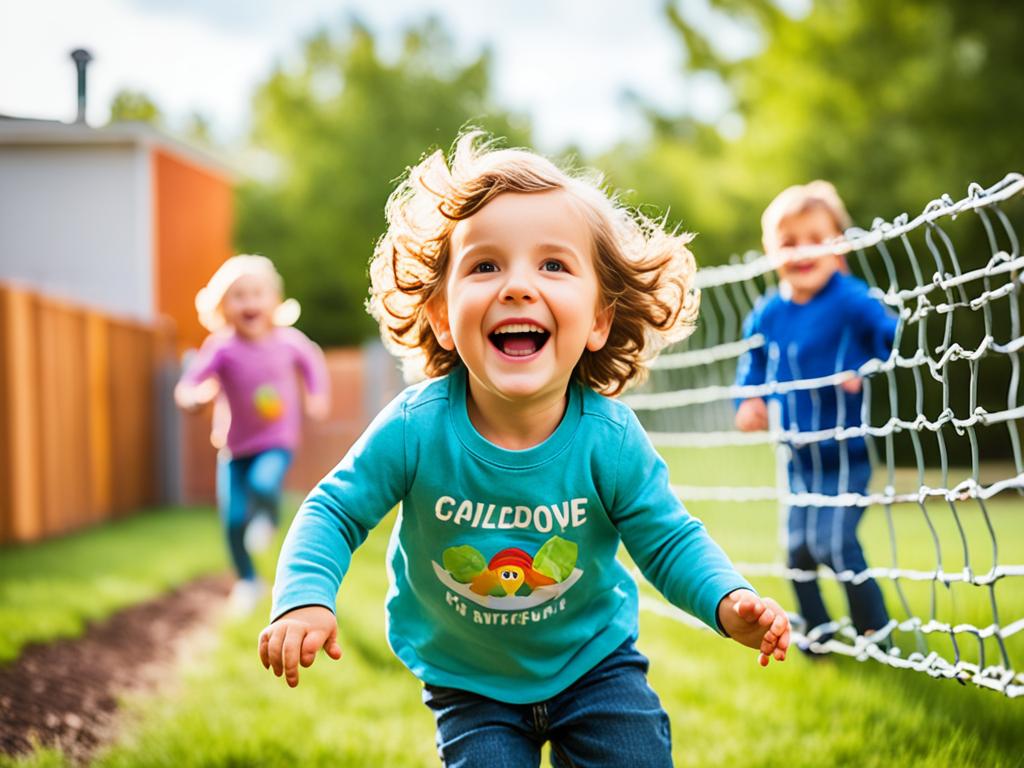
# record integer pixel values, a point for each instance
(797, 199)
(645, 273)
(210, 298)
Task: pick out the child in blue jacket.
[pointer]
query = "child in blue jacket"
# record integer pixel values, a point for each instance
(820, 322)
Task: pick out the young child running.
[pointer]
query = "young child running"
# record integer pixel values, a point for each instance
(526, 293)
(821, 321)
(252, 360)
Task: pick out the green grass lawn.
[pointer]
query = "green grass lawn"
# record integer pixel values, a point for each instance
(899, 538)
(51, 590)
(365, 710)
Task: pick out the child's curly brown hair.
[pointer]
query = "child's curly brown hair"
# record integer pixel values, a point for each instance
(646, 274)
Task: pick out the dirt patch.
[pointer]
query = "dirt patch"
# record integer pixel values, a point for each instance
(65, 694)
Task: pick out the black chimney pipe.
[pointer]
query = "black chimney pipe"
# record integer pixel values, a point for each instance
(81, 57)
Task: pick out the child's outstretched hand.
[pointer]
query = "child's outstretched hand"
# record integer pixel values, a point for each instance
(852, 386)
(752, 415)
(192, 397)
(756, 622)
(317, 407)
(295, 638)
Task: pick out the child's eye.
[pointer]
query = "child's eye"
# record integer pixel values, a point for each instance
(485, 267)
(553, 265)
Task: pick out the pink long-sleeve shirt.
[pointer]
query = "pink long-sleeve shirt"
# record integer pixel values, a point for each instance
(260, 381)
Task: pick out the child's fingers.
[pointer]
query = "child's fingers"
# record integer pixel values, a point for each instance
(274, 643)
(775, 641)
(317, 639)
(310, 645)
(263, 647)
(332, 647)
(783, 645)
(780, 625)
(291, 652)
(749, 609)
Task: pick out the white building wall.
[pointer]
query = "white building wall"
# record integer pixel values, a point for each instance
(76, 222)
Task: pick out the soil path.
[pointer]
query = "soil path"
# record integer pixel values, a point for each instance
(65, 693)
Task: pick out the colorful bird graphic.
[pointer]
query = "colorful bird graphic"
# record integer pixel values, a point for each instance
(511, 571)
(508, 570)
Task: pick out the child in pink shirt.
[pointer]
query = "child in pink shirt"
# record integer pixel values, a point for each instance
(254, 360)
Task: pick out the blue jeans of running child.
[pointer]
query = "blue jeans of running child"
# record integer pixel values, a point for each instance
(609, 718)
(828, 536)
(246, 487)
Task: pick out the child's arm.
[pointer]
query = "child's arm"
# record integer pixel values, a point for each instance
(875, 322)
(313, 367)
(756, 623)
(675, 552)
(192, 397)
(752, 413)
(333, 521)
(876, 325)
(198, 384)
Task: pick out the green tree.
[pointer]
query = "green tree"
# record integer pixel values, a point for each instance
(134, 106)
(342, 127)
(896, 103)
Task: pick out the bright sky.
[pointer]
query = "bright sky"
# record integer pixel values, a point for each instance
(566, 63)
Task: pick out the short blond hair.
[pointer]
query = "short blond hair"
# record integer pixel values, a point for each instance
(800, 198)
(210, 298)
(646, 274)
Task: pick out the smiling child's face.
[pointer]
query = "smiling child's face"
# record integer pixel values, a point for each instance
(813, 226)
(249, 305)
(522, 298)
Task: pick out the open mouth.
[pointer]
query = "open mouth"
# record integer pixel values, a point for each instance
(519, 339)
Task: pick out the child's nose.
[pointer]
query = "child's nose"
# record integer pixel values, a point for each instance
(517, 287)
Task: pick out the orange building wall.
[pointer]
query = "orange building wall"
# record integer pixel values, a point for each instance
(193, 218)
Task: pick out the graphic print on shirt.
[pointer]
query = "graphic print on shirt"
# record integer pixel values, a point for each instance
(511, 580)
(268, 402)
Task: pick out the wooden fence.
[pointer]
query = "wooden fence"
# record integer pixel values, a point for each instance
(79, 432)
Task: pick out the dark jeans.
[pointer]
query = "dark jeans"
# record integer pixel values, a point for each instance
(247, 487)
(609, 717)
(828, 536)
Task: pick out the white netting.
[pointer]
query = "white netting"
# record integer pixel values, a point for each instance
(940, 417)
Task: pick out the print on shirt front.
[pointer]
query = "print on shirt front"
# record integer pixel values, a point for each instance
(268, 403)
(510, 579)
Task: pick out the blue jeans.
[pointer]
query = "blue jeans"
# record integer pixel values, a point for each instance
(246, 487)
(828, 536)
(609, 717)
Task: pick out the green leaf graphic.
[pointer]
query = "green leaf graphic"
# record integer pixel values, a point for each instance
(463, 563)
(556, 558)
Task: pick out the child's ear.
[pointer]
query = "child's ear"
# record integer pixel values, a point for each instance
(598, 336)
(437, 316)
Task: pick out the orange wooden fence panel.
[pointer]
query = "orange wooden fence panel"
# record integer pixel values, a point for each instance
(78, 418)
(20, 494)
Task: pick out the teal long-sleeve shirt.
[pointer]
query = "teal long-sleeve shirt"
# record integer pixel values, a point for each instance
(502, 564)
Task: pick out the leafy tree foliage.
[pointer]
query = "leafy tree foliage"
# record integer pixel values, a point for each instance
(895, 103)
(129, 105)
(342, 127)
